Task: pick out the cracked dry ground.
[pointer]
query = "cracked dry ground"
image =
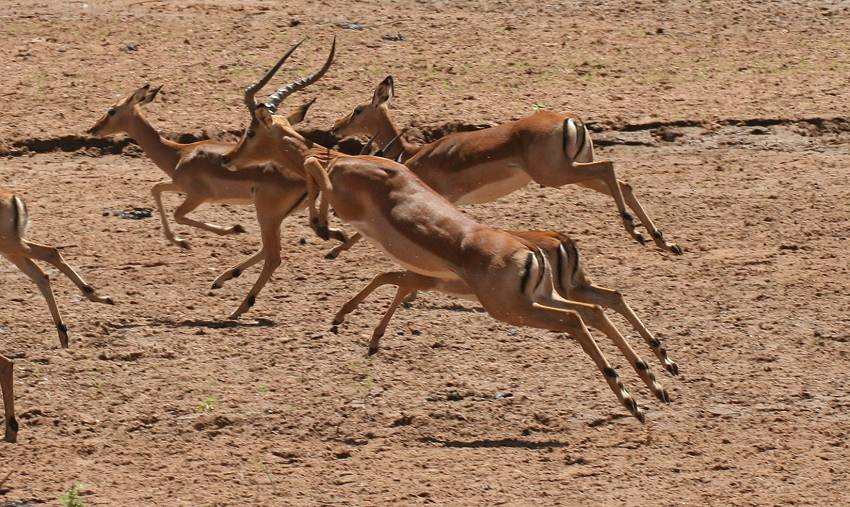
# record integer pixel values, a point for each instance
(160, 401)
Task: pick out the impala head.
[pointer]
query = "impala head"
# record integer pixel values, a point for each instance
(366, 117)
(270, 136)
(117, 117)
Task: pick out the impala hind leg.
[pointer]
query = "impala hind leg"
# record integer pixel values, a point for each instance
(635, 205)
(52, 256)
(41, 280)
(579, 172)
(7, 387)
(190, 204)
(614, 300)
(594, 317)
(238, 269)
(157, 191)
(566, 321)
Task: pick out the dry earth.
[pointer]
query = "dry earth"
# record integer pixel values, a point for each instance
(162, 401)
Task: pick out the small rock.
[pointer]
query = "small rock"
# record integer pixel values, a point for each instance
(350, 26)
(132, 46)
(294, 22)
(393, 38)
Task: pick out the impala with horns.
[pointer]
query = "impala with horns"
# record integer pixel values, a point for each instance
(510, 275)
(196, 170)
(273, 204)
(552, 149)
(200, 176)
(14, 219)
(7, 387)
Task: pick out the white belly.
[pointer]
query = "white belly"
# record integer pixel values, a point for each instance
(489, 191)
(403, 251)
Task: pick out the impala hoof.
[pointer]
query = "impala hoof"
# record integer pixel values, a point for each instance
(184, 244)
(676, 249)
(640, 238)
(108, 301)
(672, 367)
(237, 229)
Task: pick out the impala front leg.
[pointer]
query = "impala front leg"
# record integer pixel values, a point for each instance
(156, 191)
(238, 269)
(334, 253)
(7, 387)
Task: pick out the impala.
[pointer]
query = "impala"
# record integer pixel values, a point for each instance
(569, 280)
(552, 149)
(196, 169)
(11, 434)
(200, 176)
(509, 275)
(20, 252)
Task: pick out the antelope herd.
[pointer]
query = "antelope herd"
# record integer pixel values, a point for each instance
(401, 198)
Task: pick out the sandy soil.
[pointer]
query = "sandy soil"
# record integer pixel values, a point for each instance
(161, 400)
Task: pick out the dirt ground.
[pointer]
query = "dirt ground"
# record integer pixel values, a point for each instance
(729, 118)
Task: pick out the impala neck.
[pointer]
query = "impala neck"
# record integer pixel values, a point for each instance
(164, 153)
(386, 131)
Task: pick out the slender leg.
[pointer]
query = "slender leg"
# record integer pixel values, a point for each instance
(594, 317)
(190, 204)
(271, 250)
(392, 278)
(41, 280)
(238, 269)
(565, 321)
(333, 254)
(635, 205)
(156, 191)
(378, 333)
(614, 300)
(7, 386)
(51, 255)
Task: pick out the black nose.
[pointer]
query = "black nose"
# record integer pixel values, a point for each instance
(225, 159)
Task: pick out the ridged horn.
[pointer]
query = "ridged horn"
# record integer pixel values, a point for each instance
(288, 89)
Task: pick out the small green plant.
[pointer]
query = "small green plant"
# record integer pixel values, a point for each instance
(207, 405)
(538, 106)
(71, 498)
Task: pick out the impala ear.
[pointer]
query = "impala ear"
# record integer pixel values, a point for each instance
(139, 95)
(384, 92)
(264, 116)
(150, 95)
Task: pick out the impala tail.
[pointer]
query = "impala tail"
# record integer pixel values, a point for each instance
(577, 143)
(21, 215)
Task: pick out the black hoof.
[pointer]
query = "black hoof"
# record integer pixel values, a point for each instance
(663, 396)
(676, 249)
(673, 368)
(109, 301)
(640, 239)
(238, 229)
(335, 328)
(372, 351)
(331, 256)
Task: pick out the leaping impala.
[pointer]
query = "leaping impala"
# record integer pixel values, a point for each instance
(201, 177)
(196, 169)
(6, 386)
(20, 252)
(422, 231)
(552, 149)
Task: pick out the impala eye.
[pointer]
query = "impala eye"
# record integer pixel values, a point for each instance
(358, 109)
(111, 112)
(250, 133)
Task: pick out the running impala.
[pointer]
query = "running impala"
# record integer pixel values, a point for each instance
(196, 169)
(552, 149)
(11, 433)
(201, 177)
(20, 252)
(439, 246)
